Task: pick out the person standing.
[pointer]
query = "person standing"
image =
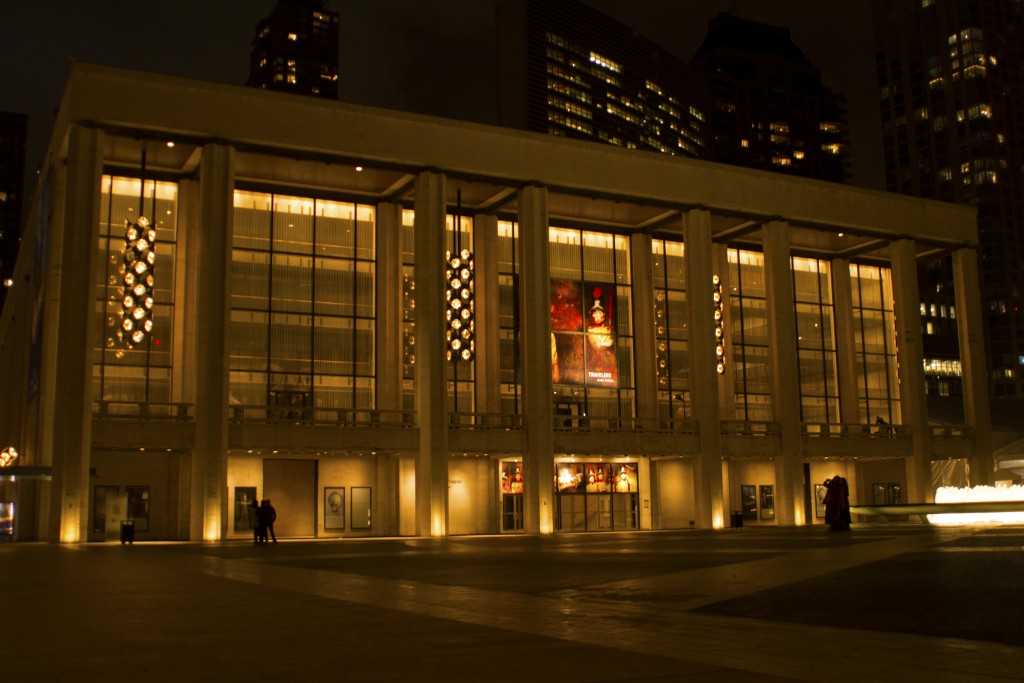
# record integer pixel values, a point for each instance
(255, 505)
(270, 517)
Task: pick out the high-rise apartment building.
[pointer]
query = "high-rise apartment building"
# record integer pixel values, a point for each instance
(769, 108)
(296, 50)
(952, 109)
(13, 134)
(566, 69)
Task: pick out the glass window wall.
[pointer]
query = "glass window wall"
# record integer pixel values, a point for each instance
(875, 344)
(302, 305)
(749, 329)
(143, 373)
(671, 317)
(591, 323)
(816, 348)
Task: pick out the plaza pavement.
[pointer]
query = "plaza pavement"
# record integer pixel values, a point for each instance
(880, 603)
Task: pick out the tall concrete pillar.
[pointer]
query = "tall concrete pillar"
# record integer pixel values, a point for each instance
(71, 331)
(910, 356)
(431, 364)
(212, 241)
(389, 308)
(778, 273)
(488, 350)
(704, 378)
(535, 338)
(846, 352)
(645, 354)
(972, 362)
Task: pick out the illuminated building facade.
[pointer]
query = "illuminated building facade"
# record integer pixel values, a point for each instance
(13, 134)
(951, 106)
(658, 342)
(769, 108)
(566, 69)
(295, 50)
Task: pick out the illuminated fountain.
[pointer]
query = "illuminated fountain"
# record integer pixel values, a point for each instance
(997, 496)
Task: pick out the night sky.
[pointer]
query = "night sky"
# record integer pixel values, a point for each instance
(439, 54)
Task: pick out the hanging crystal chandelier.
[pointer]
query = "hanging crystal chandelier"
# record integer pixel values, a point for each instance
(137, 282)
(459, 295)
(719, 325)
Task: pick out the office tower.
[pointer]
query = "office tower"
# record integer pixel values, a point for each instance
(13, 133)
(951, 107)
(566, 69)
(769, 107)
(296, 50)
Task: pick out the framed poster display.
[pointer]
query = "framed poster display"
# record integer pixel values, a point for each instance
(819, 500)
(245, 511)
(334, 508)
(767, 501)
(748, 501)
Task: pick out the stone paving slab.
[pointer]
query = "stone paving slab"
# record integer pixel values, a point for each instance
(732, 605)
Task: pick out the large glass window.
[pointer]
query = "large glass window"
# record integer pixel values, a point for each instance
(302, 305)
(875, 344)
(141, 374)
(508, 316)
(816, 348)
(749, 329)
(671, 317)
(591, 323)
(408, 311)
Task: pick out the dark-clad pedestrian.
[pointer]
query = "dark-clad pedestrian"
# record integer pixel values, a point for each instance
(269, 517)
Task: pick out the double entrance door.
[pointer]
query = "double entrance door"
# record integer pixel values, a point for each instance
(597, 511)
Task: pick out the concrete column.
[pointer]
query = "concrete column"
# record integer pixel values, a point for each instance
(431, 364)
(782, 341)
(488, 348)
(972, 362)
(846, 352)
(645, 355)
(212, 241)
(535, 337)
(71, 306)
(704, 378)
(389, 307)
(910, 357)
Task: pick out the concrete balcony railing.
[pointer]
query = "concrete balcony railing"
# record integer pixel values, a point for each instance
(749, 428)
(844, 430)
(312, 416)
(150, 410)
(601, 423)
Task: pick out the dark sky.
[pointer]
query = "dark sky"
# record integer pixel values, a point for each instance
(396, 52)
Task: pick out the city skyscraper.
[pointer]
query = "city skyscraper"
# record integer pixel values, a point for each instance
(295, 50)
(952, 112)
(13, 134)
(769, 107)
(569, 70)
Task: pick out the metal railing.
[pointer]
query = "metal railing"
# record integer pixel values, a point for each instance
(854, 430)
(485, 421)
(309, 415)
(152, 410)
(749, 428)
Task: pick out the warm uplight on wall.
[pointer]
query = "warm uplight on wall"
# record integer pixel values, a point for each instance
(137, 282)
(719, 325)
(459, 294)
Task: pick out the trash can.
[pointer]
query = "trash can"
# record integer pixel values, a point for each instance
(736, 520)
(127, 531)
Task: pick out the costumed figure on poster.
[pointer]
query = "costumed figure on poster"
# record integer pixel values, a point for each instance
(602, 365)
(837, 504)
